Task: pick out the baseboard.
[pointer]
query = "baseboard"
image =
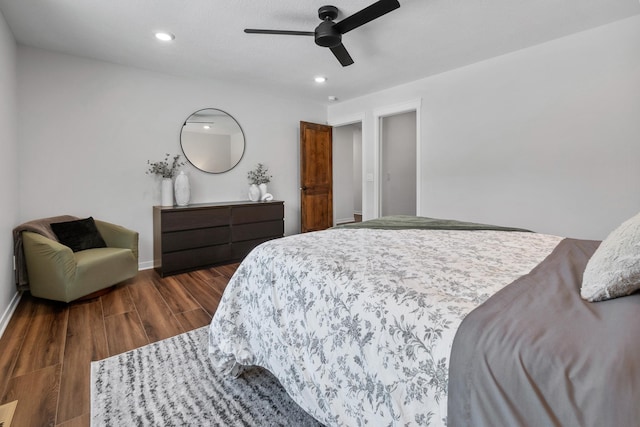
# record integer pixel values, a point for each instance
(344, 220)
(145, 265)
(6, 316)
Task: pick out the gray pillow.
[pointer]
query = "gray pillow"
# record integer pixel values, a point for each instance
(614, 269)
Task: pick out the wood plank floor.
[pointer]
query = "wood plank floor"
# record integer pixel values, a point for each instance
(47, 347)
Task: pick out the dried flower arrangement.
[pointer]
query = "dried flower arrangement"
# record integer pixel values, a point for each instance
(162, 167)
(259, 175)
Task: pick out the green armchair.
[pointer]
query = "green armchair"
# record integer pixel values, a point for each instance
(56, 272)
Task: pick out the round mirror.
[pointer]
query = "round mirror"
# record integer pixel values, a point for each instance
(212, 140)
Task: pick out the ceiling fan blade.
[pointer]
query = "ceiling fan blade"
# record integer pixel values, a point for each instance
(368, 14)
(342, 55)
(283, 32)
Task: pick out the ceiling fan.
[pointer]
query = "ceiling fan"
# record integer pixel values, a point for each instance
(329, 33)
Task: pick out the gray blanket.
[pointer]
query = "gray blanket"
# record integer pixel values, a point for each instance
(536, 354)
(40, 226)
(404, 222)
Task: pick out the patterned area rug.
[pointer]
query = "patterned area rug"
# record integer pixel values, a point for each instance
(172, 383)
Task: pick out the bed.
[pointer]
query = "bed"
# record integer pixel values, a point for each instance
(358, 324)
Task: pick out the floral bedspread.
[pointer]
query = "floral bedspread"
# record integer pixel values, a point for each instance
(358, 324)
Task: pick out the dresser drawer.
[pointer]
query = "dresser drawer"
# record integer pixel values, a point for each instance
(261, 212)
(189, 239)
(197, 218)
(257, 230)
(194, 258)
(240, 250)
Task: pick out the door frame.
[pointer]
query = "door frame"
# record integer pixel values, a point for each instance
(349, 120)
(378, 115)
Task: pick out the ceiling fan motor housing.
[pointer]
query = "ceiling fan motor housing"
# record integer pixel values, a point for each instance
(327, 36)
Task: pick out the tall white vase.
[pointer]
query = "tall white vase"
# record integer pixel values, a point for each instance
(183, 191)
(167, 192)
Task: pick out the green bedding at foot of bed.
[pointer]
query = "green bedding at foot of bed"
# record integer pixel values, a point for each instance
(404, 222)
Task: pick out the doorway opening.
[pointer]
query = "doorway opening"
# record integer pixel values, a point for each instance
(397, 177)
(347, 173)
(398, 164)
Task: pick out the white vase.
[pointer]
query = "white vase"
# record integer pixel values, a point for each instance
(167, 192)
(263, 190)
(183, 191)
(254, 193)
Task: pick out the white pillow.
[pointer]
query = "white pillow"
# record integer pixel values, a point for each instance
(614, 269)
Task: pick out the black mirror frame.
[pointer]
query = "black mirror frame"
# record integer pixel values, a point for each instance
(244, 141)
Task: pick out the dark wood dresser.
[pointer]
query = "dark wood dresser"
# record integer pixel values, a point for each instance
(196, 236)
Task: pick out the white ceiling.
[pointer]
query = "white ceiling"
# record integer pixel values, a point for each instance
(422, 38)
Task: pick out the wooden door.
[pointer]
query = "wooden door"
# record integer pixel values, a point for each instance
(316, 176)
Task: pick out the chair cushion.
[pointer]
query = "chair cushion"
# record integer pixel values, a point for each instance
(100, 268)
(79, 235)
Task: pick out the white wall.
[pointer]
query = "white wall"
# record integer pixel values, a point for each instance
(8, 171)
(87, 129)
(546, 138)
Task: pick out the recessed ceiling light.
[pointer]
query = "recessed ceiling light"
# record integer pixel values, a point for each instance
(320, 79)
(206, 127)
(165, 37)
